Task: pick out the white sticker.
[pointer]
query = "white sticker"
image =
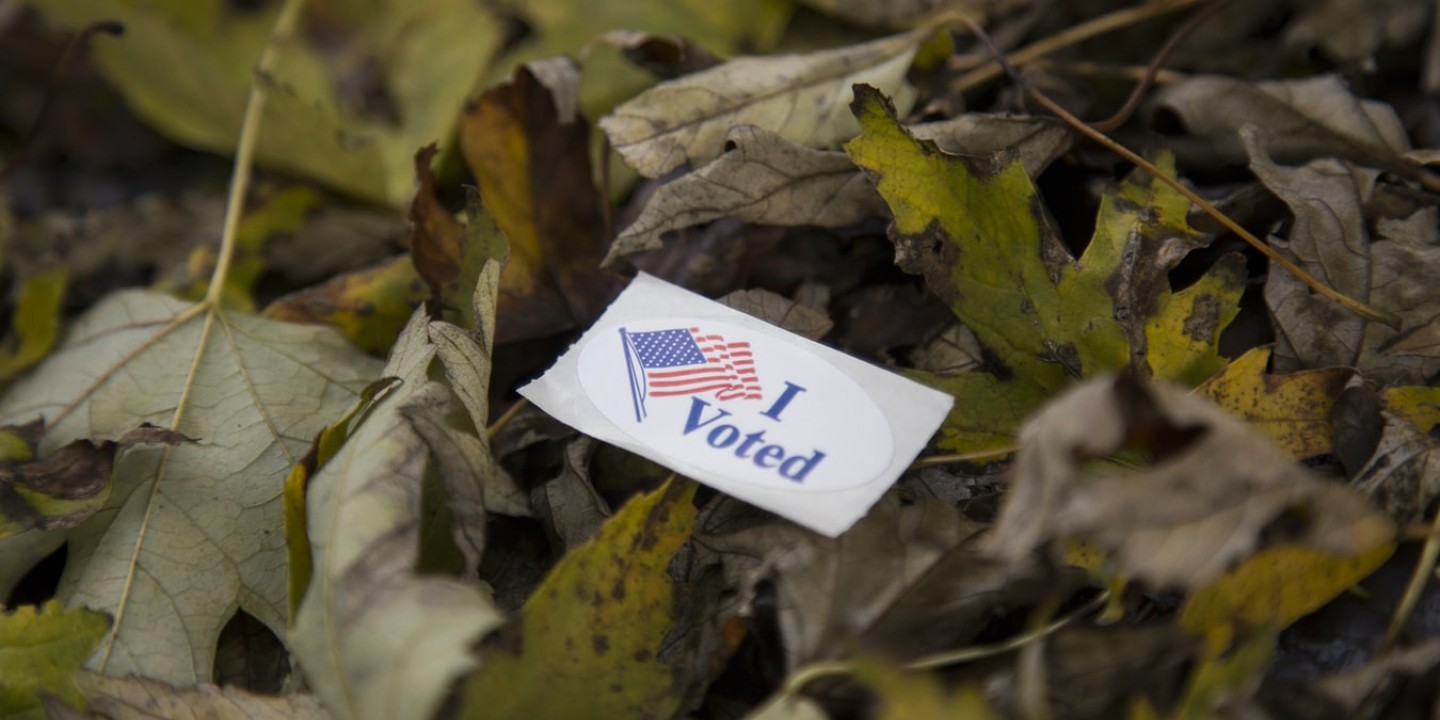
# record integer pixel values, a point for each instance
(745, 407)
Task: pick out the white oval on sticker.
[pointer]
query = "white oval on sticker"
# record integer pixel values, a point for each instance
(735, 401)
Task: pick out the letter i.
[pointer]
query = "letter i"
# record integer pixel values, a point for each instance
(791, 390)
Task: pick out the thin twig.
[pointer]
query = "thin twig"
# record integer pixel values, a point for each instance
(1137, 94)
(814, 671)
(280, 33)
(1345, 301)
(1075, 34)
(1419, 580)
(62, 71)
(505, 418)
(948, 458)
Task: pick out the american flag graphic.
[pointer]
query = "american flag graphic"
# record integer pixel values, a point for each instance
(686, 361)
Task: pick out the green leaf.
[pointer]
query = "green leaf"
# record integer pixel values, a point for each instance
(589, 639)
(185, 67)
(976, 230)
(40, 651)
(35, 322)
(190, 531)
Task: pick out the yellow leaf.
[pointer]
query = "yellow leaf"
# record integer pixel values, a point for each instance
(909, 695)
(588, 641)
(41, 649)
(1292, 409)
(1273, 589)
(533, 166)
(1419, 405)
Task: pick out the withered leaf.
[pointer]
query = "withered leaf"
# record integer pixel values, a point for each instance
(1389, 269)
(802, 98)
(1202, 505)
(1403, 474)
(779, 311)
(760, 178)
(533, 166)
(829, 590)
(1311, 117)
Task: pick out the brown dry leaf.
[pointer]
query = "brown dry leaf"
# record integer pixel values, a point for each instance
(1352, 30)
(1201, 506)
(529, 151)
(1390, 269)
(1403, 475)
(830, 590)
(1313, 117)
(803, 98)
(137, 698)
(760, 178)
(568, 505)
(1095, 672)
(764, 179)
(68, 485)
(1034, 141)
(779, 311)
(947, 606)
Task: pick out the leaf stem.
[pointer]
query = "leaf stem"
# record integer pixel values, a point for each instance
(814, 671)
(280, 32)
(1419, 580)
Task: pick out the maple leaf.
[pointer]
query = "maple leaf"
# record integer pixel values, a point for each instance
(974, 228)
(185, 536)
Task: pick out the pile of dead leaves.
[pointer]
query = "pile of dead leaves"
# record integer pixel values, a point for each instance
(287, 475)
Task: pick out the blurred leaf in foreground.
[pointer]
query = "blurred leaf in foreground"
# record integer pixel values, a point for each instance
(185, 66)
(1207, 500)
(376, 638)
(41, 649)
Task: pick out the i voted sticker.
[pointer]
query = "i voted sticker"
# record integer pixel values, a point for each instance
(757, 412)
(751, 405)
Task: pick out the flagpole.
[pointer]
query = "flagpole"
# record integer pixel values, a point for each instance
(636, 388)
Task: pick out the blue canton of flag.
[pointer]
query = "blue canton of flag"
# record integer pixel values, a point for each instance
(685, 361)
